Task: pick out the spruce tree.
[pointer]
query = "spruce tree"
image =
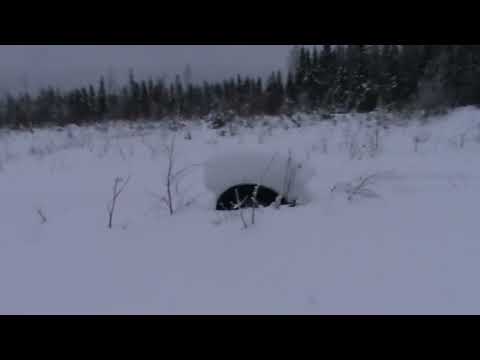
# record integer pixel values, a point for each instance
(291, 92)
(102, 99)
(92, 102)
(144, 100)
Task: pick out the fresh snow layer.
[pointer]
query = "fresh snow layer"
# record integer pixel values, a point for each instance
(413, 249)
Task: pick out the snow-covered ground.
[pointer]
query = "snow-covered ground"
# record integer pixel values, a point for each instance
(405, 243)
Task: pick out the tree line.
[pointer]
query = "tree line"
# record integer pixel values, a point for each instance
(392, 77)
(346, 78)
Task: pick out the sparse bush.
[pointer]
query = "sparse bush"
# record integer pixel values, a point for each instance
(222, 132)
(477, 135)
(154, 150)
(297, 121)
(42, 216)
(422, 138)
(325, 116)
(219, 120)
(232, 129)
(352, 143)
(119, 186)
(290, 176)
(174, 197)
(240, 205)
(362, 187)
(459, 140)
(122, 153)
(105, 148)
(324, 145)
(373, 140)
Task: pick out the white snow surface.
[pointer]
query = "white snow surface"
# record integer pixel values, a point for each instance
(413, 249)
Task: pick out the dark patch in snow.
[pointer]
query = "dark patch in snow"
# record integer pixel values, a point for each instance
(265, 197)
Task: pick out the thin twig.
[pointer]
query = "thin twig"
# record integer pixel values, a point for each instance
(42, 216)
(117, 191)
(239, 206)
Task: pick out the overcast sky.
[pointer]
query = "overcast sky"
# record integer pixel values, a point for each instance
(31, 66)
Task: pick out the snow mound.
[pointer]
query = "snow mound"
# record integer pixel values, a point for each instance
(276, 171)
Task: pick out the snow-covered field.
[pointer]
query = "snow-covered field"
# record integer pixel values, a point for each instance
(406, 243)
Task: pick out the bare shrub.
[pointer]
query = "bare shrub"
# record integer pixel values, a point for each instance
(352, 143)
(459, 141)
(477, 135)
(122, 153)
(119, 186)
(261, 137)
(472, 133)
(174, 197)
(42, 216)
(296, 121)
(422, 138)
(324, 145)
(220, 119)
(6, 155)
(170, 177)
(362, 187)
(105, 148)
(240, 206)
(290, 176)
(37, 151)
(373, 140)
(232, 129)
(154, 150)
(278, 202)
(131, 150)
